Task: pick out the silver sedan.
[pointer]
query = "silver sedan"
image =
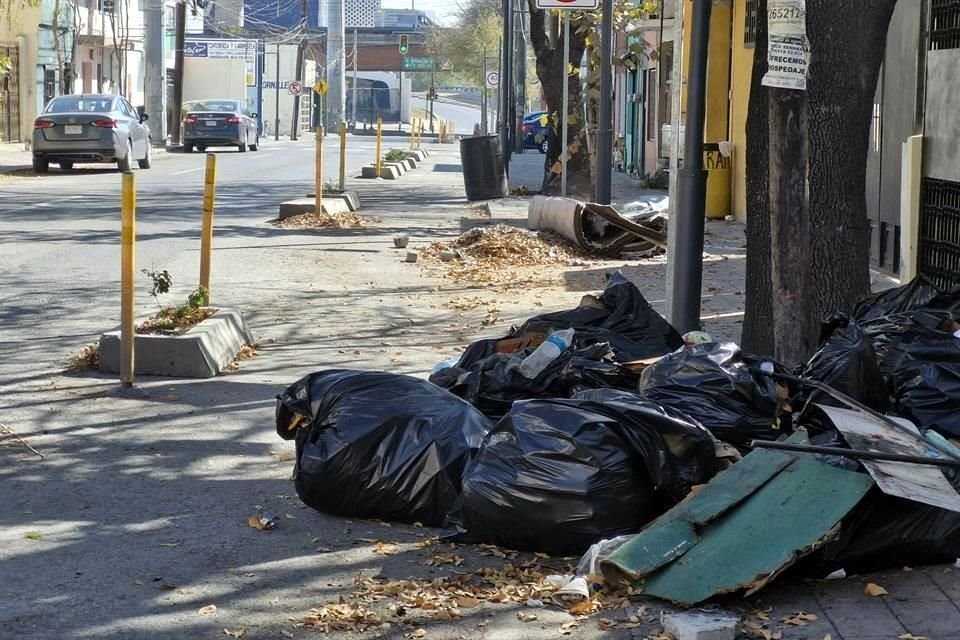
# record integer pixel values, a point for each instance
(91, 128)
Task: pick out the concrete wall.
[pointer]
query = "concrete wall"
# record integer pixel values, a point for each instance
(288, 65)
(941, 152)
(21, 32)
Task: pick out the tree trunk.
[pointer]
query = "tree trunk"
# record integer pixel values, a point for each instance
(758, 306)
(551, 70)
(794, 323)
(847, 42)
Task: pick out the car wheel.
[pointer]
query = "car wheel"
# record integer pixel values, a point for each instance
(40, 165)
(256, 143)
(125, 163)
(147, 161)
(188, 148)
(242, 147)
(202, 149)
(66, 165)
(544, 146)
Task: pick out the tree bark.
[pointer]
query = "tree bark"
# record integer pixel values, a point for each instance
(758, 306)
(847, 42)
(794, 324)
(552, 70)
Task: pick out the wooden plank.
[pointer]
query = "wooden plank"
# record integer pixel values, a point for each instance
(674, 533)
(916, 482)
(764, 534)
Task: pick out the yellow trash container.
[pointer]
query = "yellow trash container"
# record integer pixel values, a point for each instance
(718, 168)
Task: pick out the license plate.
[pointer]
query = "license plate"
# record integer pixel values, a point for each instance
(211, 123)
(73, 129)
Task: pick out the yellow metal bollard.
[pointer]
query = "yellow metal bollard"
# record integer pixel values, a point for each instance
(343, 155)
(420, 136)
(318, 171)
(379, 142)
(413, 128)
(206, 234)
(128, 238)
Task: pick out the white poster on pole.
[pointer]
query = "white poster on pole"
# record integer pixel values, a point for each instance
(788, 54)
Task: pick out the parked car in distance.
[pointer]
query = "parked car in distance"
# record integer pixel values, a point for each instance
(219, 123)
(91, 128)
(536, 135)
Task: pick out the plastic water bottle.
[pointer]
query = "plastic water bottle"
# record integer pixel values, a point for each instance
(546, 353)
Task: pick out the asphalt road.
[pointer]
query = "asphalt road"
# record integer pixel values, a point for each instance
(60, 255)
(463, 116)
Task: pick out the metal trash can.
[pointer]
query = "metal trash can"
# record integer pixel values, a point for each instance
(484, 176)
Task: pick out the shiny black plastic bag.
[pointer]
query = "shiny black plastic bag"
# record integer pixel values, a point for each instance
(713, 383)
(927, 380)
(919, 292)
(846, 362)
(378, 445)
(493, 383)
(558, 475)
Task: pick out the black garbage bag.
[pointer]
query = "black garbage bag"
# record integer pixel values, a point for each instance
(378, 445)
(927, 379)
(713, 383)
(620, 317)
(846, 362)
(493, 383)
(917, 293)
(558, 475)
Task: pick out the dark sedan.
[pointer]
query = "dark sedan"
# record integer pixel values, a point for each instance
(536, 133)
(219, 123)
(91, 128)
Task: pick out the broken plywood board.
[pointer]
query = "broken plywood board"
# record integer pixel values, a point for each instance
(740, 535)
(917, 482)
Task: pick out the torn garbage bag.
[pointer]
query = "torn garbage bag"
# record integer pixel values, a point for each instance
(495, 382)
(713, 384)
(559, 475)
(378, 445)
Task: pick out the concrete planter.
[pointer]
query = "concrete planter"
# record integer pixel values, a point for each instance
(387, 172)
(348, 196)
(331, 204)
(201, 352)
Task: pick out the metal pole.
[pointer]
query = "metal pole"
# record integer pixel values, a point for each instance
(318, 172)
(499, 86)
(483, 95)
(379, 143)
(128, 238)
(206, 233)
(856, 454)
(566, 103)
(181, 27)
(353, 117)
(432, 85)
(692, 184)
(343, 155)
(336, 96)
(155, 70)
(276, 101)
(298, 73)
(505, 79)
(676, 96)
(605, 122)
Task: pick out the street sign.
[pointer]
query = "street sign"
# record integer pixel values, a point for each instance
(321, 87)
(493, 79)
(567, 4)
(417, 63)
(295, 88)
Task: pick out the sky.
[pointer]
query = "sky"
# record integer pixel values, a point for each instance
(442, 10)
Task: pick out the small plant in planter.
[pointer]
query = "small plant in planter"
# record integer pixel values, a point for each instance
(395, 155)
(174, 320)
(332, 187)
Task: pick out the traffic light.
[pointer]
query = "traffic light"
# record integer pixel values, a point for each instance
(404, 44)
(432, 93)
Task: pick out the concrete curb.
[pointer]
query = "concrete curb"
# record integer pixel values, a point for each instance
(350, 197)
(331, 204)
(386, 172)
(202, 352)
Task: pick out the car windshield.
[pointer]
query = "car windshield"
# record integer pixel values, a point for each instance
(534, 116)
(72, 104)
(222, 106)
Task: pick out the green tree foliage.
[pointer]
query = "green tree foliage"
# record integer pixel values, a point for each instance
(478, 25)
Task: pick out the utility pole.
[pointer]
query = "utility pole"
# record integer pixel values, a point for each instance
(336, 66)
(429, 94)
(276, 98)
(155, 69)
(687, 255)
(506, 79)
(676, 104)
(605, 123)
(181, 27)
(298, 71)
(483, 96)
(520, 78)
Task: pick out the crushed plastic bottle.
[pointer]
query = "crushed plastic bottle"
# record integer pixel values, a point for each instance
(546, 353)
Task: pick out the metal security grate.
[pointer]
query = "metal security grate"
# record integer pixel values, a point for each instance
(750, 25)
(944, 24)
(939, 248)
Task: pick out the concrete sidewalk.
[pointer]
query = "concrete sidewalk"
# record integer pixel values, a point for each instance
(136, 516)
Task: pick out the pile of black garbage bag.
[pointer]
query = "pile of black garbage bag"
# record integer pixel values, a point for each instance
(619, 426)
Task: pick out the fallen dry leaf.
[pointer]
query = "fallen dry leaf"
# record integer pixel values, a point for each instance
(239, 633)
(419, 633)
(467, 602)
(261, 523)
(910, 636)
(873, 590)
(285, 633)
(828, 637)
(33, 535)
(207, 610)
(567, 627)
(582, 608)
(385, 548)
(799, 619)
(523, 616)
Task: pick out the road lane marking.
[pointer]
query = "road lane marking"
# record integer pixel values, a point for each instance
(177, 173)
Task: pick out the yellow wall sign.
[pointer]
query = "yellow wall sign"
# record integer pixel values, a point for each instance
(321, 87)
